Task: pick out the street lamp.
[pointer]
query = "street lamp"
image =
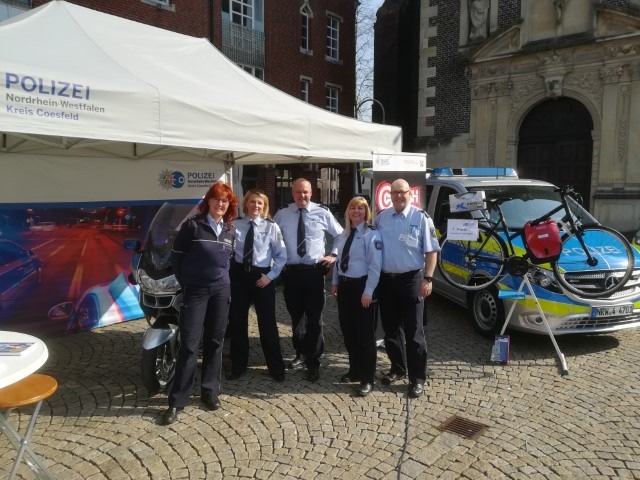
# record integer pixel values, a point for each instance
(374, 101)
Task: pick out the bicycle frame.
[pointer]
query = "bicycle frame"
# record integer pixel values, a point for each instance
(493, 253)
(573, 228)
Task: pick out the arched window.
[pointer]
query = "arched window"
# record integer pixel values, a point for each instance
(305, 31)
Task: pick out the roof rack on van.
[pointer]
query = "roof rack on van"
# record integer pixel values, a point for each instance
(474, 172)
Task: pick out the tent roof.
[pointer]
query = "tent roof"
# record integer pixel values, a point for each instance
(75, 79)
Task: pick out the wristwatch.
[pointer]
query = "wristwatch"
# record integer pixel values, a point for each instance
(428, 279)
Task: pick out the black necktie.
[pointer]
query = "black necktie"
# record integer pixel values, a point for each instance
(247, 258)
(302, 244)
(344, 261)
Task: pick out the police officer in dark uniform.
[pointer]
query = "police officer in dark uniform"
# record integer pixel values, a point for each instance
(409, 254)
(200, 257)
(355, 277)
(259, 257)
(304, 225)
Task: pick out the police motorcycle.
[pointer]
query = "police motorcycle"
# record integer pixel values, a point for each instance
(160, 295)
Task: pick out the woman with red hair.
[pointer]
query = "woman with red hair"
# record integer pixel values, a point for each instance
(200, 257)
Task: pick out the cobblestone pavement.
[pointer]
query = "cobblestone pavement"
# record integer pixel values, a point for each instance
(102, 424)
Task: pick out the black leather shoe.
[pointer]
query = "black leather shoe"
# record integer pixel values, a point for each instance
(170, 415)
(296, 364)
(391, 377)
(365, 389)
(313, 375)
(235, 375)
(278, 377)
(210, 401)
(416, 390)
(349, 378)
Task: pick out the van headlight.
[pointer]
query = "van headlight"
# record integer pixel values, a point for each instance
(544, 279)
(166, 285)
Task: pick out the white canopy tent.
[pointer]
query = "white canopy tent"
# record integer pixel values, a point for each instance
(95, 107)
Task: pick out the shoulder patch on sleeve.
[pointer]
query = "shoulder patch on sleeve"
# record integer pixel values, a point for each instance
(378, 244)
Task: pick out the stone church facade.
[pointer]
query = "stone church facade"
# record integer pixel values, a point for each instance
(549, 87)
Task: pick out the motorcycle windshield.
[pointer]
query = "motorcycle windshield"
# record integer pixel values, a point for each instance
(162, 233)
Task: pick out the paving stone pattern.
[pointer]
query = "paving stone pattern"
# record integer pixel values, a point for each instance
(101, 424)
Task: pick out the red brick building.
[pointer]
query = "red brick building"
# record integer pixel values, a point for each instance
(303, 47)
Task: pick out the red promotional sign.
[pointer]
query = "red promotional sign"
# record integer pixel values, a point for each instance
(383, 196)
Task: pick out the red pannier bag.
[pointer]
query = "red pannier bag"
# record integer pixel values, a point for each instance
(542, 241)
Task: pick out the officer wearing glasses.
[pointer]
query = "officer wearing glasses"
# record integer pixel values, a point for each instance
(409, 254)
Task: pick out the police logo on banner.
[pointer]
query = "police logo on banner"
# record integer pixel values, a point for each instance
(169, 179)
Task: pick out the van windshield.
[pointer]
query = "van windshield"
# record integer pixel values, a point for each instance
(529, 202)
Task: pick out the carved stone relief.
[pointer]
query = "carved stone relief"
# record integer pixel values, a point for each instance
(553, 86)
(523, 91)
(480, 91)
(623, 124)
(588, 83)
(492, 134)
(611, 73)
(622, 50)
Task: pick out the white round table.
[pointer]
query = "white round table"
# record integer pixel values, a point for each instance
(16, 367)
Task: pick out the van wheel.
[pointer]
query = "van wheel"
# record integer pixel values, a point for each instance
(487, 312)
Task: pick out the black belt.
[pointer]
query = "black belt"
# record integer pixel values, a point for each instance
(300, 266)
(250, 268)
(401, 275)
(344, 278)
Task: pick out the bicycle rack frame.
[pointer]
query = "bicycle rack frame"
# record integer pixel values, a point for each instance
(521, 295)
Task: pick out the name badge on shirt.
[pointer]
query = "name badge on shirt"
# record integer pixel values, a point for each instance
(411, 237)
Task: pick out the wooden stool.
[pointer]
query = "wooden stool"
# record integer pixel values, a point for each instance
(29, 391)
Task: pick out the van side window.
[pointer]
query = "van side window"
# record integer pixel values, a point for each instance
(442, 211)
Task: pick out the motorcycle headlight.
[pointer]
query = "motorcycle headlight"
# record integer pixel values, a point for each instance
(166, 285)
(545, 279)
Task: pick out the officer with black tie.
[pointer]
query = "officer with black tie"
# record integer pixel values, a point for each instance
(259, 257)
(304, 225)
(355, 278)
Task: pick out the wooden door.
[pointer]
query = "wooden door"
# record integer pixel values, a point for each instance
(555, 145)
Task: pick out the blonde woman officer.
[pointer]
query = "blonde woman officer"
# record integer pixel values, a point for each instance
(259, 257)
(355, 277)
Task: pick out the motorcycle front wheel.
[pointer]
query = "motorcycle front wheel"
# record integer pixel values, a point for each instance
(159, 367)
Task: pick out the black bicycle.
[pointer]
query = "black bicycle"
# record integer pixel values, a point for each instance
(595, 261)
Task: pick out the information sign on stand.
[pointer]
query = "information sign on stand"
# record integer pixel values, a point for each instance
(389, 167)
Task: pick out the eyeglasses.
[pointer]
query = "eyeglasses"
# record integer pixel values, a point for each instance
(400, 192)
(220, 200)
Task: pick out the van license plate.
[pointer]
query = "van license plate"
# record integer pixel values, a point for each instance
(612, 311)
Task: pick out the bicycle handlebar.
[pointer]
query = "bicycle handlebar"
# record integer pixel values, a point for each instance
(491, 202)
(568, 190)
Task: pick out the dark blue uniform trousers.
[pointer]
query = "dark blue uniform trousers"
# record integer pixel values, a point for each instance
(243, 293)
(304, 297)
(358, 325)
(204, 314)
(401, 310)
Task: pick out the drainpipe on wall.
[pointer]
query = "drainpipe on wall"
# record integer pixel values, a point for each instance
(211, 10)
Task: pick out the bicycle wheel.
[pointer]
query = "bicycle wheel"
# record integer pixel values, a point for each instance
(473, 265)
(612, 267)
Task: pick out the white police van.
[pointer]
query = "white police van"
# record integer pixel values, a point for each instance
(565, 312)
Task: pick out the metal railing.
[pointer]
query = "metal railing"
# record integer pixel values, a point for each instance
(243, 45)
(17, 3)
